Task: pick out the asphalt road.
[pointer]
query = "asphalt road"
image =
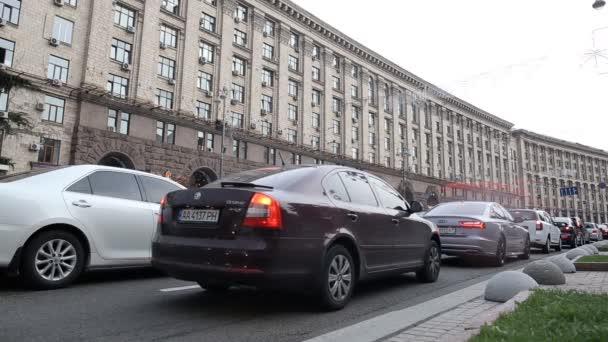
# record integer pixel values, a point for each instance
(130, 306)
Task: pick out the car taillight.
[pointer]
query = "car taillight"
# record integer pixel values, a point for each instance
(263, 212)
(472, 224)
(539, 225)
(163, 201)
(594, 230)
(568, 228)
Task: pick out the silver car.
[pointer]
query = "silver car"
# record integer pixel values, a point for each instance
(595, 233)
(479, 229)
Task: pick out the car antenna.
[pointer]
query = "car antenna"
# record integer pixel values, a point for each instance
(282, 161)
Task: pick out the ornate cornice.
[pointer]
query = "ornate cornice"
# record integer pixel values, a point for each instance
(536, 137)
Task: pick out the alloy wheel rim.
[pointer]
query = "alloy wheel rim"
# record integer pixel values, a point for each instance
(339, 280)
(435, 261)
(55, 260)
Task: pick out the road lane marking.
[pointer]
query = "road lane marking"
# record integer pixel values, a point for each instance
(181, 288)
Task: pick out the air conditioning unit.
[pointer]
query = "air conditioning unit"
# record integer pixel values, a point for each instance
(317, 129)
(235, 73)
(265, 34)
(163, 45)
(237, 20)
(202, 60)
(125, 66)
(131, 29)
(294, 122)
(39, 106)
(35, 147)
(252, 125)
(58, 2)
(263, 112)
(2, 22)
(295, 97)
(264, 84)
(355, 120)
(4, 115)
(374, 146)
(233, 102)
(208, 93)
(171, 81)
(56, 82)
(314, 104)
(111, 128)
(279, 131)
(54, 41)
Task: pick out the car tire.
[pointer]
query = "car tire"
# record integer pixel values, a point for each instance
(432, 264)
(559, 247)
(52, 260)
(338, 278)
(574, 242)
(526, 254)
(501, 251)
(547, 246)
(214, 286)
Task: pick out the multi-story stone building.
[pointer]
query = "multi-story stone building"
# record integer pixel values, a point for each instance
(147, 85)
(549, 164)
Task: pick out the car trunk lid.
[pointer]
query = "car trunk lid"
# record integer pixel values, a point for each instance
(457, 225)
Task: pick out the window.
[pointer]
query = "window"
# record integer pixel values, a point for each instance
(204, 81)
(316, 120)
(267, 78)
(336, 126)
(236, 120)
(168, 36)
(292, 112)
(371, 157)
(10, 10)
(58, 69)
(355, 153)
(238, 93)
(156, 188)
(164, 98)
(112, 120)
(267, 103)
(335, 62)
(118, 86)
(372, 138)
(335, 148)
(49, 153)
(296, 159)
(292, 135)
(316, 52)
(336, 105)
(293, 63)
(115, 184)
(240, 12)
(294, 40)
(316, 74)
(83, 186)
(388, 197)
(239, 149)
(387, 161)
(401, 131)
(203, 110)
(171, 6)
(53, 109)
(206, 51)
(7, 48)
(271, 156)
(238, 65)
(336, 82)
(387, 143)
(354, 91)
(387, 126)
(315, 141)
(355, 112)
(269, 28)
(268, 51)
(370, 90)
(292, 88)
(165, 132)
(123, 16)
(371, 119)
(125, 122)
(358, 188)
(240, 38)
(205, 141)
(354, 72)
(266, 128)
(166, 67)
(316, 97)
(355, 132)
(208, 22)
(387, 98)
(121, 51)
(62, 30)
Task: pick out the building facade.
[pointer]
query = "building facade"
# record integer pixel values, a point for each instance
(150, 84)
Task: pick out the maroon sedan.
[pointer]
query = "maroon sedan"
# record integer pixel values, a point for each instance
(317, 229)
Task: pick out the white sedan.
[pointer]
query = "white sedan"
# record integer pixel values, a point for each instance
(56, 223)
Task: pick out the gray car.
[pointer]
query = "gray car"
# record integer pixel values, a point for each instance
(595, 233)
(479, 229)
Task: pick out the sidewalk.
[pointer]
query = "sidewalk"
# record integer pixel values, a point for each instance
(464, 321)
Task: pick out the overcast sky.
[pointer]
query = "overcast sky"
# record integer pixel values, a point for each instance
(528, 62)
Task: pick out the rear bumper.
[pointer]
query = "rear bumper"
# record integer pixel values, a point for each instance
(274, 263)
(12, 238)
(468, 246)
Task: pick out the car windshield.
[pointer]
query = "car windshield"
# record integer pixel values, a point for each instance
(276, 177)
(524, 215)
(458, 209)
(589, 225)
(27, 174)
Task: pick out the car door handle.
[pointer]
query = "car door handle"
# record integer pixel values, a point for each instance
(395, 221)
(354, 217)
(81, 204)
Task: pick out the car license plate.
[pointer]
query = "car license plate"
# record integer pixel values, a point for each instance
(199, 215)
(447, 230)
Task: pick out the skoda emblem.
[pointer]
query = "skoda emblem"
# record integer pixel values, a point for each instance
(197, 196)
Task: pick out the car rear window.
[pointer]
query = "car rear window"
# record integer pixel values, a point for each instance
(276, 177)
(524, 215)
(458, 209)
(27, 174)
(589, 225)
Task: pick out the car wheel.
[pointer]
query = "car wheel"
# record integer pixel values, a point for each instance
(526, 254)
(52, 260)
(501, 250)
(214, 286)
(574, 242)
(559, 245)
(547, 246)
(432, 265)
(338, 278)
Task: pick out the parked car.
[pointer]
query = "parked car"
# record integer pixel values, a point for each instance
(604, 230)
(58, 222)
(595, 234)
(540, 226)
(570, 234)
(479, 229)
(319, 229)
(581, 225)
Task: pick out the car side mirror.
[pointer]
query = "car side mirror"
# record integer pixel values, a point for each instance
(415, 207)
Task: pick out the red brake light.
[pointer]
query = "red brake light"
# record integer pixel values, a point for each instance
(568, 228)
(472, 224)
(539, 225)
(594, 230)
(163, 201)
(263, 212)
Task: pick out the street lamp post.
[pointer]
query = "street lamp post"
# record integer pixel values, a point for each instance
(222, 122)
